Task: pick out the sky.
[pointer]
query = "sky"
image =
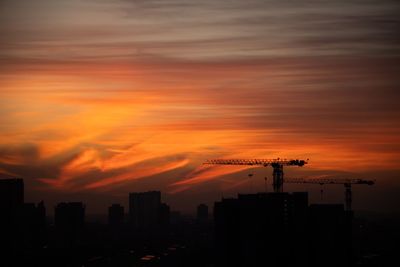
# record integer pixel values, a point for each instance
(100, 98)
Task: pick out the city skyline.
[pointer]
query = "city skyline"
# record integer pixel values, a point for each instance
(101, 98)
(274, 229)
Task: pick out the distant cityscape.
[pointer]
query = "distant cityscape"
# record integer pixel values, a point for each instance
(263, 229)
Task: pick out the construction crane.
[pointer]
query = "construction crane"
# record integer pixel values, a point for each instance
(277, 165)
(346, 182)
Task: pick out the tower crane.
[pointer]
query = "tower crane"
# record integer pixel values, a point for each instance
(346, 182)
(276, 164)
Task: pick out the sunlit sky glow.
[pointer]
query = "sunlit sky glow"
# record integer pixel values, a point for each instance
(99, 98)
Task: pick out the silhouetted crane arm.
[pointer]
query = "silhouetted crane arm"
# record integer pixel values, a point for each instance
(259, 162)
(328, 181)
(277, 165)
(346, 182)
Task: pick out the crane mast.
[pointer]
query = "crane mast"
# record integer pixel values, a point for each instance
(276, 164)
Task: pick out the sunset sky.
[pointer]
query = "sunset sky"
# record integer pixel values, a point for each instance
(99, 98)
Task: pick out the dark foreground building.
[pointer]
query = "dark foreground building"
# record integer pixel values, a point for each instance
(260, 229)
(11, 193)
(279, 229)
(22, 225)
(11, 201)
(69, 218)
(115, 215)
(146, 211)
(202, 213)
(31, 225)
(329, 231)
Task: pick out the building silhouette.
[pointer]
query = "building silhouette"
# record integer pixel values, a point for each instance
(69, 219)
(115, 215)
(329, 229)
(11, 202)
(258, 229)
(69, 215)
(11, 193)
(22, 225)
(280, 229)
(147, 211)
(202, 213)
(164, 215)
(31, 225)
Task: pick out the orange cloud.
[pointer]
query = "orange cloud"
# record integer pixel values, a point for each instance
(137, 173)
(203, 174)
(94, 126)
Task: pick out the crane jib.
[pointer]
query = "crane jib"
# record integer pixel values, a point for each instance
(259, 162)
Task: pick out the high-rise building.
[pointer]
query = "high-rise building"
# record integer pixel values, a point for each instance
(147, 211)
(202, 213)
(69, 217)
(164, 215)
(21, 224)
(329, 230)
(11, 193)
(258, 229)
(11, 203)
(115, 215)
(31, 224)
(144, 208)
